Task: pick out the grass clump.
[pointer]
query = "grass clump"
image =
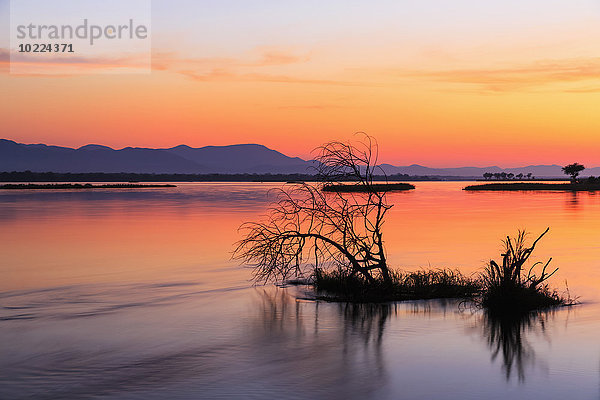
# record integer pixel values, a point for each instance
(502, 289)
(373, 187)
(512, 289)
(338, 285)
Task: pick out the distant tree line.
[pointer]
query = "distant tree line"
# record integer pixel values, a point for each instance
(504, 176)
(29, 176)
(572, 170)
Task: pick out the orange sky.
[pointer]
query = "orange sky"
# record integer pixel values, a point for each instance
(467, 85)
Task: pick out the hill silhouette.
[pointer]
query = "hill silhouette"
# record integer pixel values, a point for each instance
(242, 158)
(231, 159)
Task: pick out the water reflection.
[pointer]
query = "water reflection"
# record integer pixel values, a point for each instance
(179, 341)
(354, 348)
(573, 201)
(131, 295)
(507, 337)
(186, 197)
(367, 321)
(336, 345)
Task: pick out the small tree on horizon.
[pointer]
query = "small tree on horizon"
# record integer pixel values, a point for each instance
(573, 170)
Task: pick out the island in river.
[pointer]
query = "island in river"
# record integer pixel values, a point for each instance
(28, 186)
(520, 186)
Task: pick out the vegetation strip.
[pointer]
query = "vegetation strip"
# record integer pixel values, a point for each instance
(376, 187)
(29, 186)
(520, 186)
(28, 176)
(337, 285)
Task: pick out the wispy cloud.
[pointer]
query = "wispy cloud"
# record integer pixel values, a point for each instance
(519, 77)
(275, 57)
(221, 75)
(576, 75)
(48, 64)
(265, 67)
(267, 58)
(313, 107)
(260, 68)
(589, 89)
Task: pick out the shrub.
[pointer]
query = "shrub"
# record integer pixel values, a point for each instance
(510, 288)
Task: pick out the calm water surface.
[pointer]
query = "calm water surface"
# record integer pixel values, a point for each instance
(132, 295)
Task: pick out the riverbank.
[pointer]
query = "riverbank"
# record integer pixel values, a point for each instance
(527, 186)
(34, 186)
(378, 187)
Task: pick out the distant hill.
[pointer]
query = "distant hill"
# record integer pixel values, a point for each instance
(243, 158)
(182, 159)
(539, 171)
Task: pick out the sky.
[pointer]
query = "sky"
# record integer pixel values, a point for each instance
(437, 83)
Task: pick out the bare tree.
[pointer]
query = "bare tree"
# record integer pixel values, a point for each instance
(309, 229)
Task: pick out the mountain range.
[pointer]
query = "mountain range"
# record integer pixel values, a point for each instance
(238, 158)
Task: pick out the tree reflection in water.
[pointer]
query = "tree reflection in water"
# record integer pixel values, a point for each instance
(337, 350)
(329, 345)
(507, 336)
(344, 343)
